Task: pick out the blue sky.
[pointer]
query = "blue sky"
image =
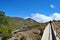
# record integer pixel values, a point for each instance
(25, 8)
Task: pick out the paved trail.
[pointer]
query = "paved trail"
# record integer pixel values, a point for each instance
(49, 33)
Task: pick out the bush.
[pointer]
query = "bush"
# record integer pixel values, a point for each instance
(6, 31)
(23, 37)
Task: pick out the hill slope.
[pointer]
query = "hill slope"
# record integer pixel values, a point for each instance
(16, 22)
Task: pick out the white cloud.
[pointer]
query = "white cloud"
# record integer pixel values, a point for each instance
(40, 17)
(52, 6)
(43, 18)
(56, 16)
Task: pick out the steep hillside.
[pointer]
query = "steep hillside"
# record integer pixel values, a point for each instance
(31, 21)
(16, 22)
(5, 29)
(8, 24)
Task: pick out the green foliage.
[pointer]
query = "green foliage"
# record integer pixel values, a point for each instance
(2, 18)
(23, 37)
(20, 28)
(41, 29)
(2, 13)
(7, 24)
(58, 34)
(6, 31)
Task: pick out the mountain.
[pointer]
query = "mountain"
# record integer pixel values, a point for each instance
(16, 22)
(9, 24)
(32, 22)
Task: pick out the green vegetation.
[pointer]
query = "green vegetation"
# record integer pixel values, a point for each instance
(6, 31)
(41, 29)
(16, 22)
(2, 18)
(4, 27)
(8, 24)
(23, 37)
(58, 35)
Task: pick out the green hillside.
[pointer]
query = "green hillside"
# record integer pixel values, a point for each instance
(5, 29)
(16, 22)
(8, 24)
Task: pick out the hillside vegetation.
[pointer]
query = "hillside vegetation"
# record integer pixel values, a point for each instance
(16, 22)
(5, 29)
(9, 24)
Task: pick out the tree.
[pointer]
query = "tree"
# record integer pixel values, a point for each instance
(2, 13)
(3, 19)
